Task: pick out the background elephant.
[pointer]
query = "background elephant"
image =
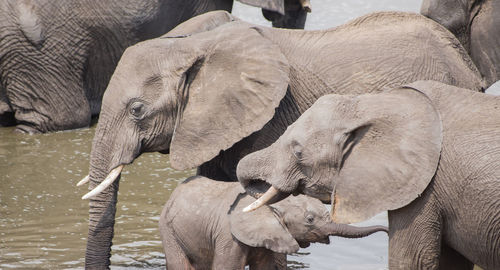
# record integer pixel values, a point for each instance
(209, 98)
(477, 25)
(203, 227)
(428, 152)
(57, 58)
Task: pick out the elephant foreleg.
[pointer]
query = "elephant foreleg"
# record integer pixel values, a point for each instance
(415, 235)
(264, 259)
(174, 255)
(230, 256)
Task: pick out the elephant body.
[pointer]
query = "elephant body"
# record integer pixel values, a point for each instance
(203, 227)
(477, 25)
(427, 152)
(57, 58)
(215, 89)
(461, 206)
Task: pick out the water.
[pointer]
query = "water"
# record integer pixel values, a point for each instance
(43, 221)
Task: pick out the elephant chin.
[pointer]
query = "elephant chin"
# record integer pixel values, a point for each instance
(304, 244)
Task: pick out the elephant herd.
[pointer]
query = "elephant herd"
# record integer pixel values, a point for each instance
(383, 113)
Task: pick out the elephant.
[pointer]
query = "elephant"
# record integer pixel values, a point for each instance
(477, 25)
(426, 152)
(202, 226)
(216, 88)
(57, 58)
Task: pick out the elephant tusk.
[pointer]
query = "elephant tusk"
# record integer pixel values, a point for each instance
(270, 193)
(112, 176)
(85, 180)
(306, 5)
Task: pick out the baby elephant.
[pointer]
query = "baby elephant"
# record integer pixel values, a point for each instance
(428, 152)
(203, 227)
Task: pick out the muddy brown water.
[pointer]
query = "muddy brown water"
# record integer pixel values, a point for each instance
(43, 221)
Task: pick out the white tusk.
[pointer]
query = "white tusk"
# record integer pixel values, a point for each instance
(106, 183)
(85, 180)
(270, 193)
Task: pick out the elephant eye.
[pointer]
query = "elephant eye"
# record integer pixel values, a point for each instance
(137, 110)
(309, 218)
(297, 149)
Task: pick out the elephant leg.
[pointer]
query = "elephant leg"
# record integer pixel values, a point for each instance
(230, 256)
(266, 260)
(174, 255)
(415, 235)
(451, 259)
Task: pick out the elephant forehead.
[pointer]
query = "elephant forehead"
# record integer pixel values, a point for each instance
(331, 110)
(155, 54)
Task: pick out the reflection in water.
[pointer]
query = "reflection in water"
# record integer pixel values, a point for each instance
(43, 221)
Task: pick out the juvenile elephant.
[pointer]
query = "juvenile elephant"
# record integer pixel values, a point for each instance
(56, 57)
(476, 23)
(428, 152)
(203, 226)
(216, 89)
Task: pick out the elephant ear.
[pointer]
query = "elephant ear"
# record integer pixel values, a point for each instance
(201, 23)
(231, 92)
(396, 145)
(273, 5)
(260, 228)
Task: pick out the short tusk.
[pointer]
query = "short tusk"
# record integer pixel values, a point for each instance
(112, 176)
(85, 180)
(270, 193)
(306, 5)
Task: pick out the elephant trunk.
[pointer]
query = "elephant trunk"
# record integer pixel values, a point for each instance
(102, 207)
(260, 170)
(101, 228)
(349, 231)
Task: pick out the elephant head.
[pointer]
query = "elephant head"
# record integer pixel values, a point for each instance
(190, 96)
(294, 222)
(284, 13)
(364, 154)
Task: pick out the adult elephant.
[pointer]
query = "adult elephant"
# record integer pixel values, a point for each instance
(427, 152)
(56, 58)
(477, 25)
(217, 88)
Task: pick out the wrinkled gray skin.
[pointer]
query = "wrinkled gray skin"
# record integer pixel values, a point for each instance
(428, 152)
(203, 226)
(476, 23)
(216, 89)
(56, 58)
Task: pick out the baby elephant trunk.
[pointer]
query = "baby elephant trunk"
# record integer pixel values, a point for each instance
(349, 231)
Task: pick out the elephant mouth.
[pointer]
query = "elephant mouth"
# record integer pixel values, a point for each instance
(306, 244)
(256, 187)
